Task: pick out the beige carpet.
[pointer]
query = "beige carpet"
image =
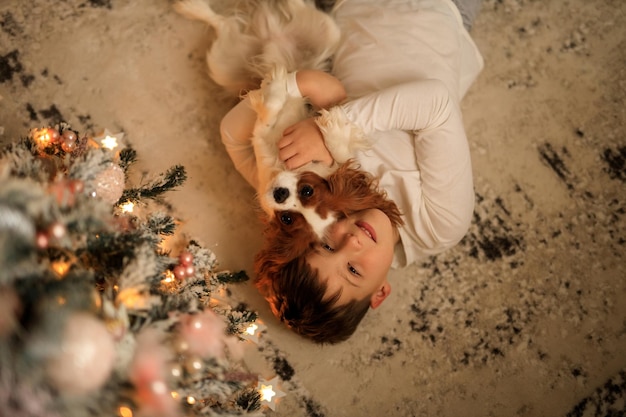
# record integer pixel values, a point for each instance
(526, 317)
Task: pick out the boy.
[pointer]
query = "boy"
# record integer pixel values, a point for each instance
(404, 67)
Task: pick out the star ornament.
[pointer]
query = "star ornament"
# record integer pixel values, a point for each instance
(253, 331)
(109, 140)
(127, 207)
(269, 392)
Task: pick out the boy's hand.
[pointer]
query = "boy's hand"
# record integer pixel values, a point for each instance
(302, 143)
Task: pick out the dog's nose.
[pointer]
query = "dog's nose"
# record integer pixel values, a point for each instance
(281, 194)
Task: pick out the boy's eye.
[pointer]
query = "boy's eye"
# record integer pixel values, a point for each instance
(328, 248)
(353, 270)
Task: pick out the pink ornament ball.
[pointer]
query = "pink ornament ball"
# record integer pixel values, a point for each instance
(42, 240)
(85, 358)
(186, 258)
(190, 271)
(68, 143)
(68, 146)
(109, 183)
(204, 333)
(69, 136)
(76, 186)
(55, 136)
(63, 193)
(180, 272)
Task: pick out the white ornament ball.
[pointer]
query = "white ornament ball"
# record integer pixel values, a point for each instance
(109, 183)
(85, 358)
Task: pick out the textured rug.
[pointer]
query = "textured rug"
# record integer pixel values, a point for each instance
(526, 317)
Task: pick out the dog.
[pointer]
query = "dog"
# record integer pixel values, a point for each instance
(314, 203)
(276, 110)
(263, 35)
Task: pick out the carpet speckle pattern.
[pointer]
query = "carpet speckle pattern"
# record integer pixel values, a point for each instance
(525, 317)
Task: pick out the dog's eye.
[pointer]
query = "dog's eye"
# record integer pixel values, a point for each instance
(306, 191)
(285, 218)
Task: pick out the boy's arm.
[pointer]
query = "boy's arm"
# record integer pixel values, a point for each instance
(236, 130)
(441, 194)
(322, 89)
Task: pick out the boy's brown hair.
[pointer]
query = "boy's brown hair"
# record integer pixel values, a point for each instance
(298, 298)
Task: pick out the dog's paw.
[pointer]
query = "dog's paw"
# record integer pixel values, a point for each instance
(342, 138)
(274, 90)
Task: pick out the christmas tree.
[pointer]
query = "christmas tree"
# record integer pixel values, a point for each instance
(97, 316)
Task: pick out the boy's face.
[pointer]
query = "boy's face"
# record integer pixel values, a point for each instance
(356, 257)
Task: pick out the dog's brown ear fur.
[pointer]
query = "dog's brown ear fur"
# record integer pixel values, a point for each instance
(352, 190)
(281, 247)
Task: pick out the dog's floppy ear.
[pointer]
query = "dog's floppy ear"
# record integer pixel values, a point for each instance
(283, 243)
(353, 189)
(265, 268)
(292, 241)
(279, 249)
(341, 137)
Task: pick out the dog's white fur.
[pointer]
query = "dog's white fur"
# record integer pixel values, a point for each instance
(264, 34)
(262, 45)
(277, 110)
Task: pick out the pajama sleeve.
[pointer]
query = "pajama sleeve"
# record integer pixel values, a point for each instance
(438, 199)
(236, 129)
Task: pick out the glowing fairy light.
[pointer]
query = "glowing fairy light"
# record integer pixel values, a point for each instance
(269, 392)
(220, 297)
(124, 411)
(42, 136)
(109, 142)
(169, 277)
(133, 298)
(253, 331)
(45, 137)
(61, 268)
(191, 400)
(168, 283)
(127, 207)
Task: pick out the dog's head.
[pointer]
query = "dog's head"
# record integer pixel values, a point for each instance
(299, 201)
(305, 204)
(299, 215)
